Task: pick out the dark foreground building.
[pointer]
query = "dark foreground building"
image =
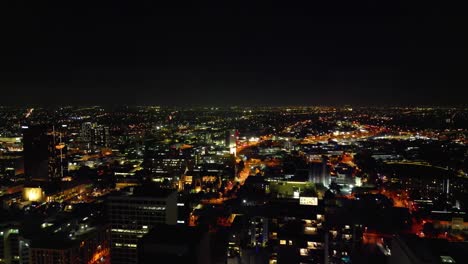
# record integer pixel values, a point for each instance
(411, 249)
(175, 244)
(133, 214)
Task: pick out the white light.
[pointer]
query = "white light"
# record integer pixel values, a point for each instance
(296, 195)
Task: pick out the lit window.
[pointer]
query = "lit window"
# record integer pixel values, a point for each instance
(282, 242)
(304, 252)
(274, 235)
(310, 230)
(313, 245)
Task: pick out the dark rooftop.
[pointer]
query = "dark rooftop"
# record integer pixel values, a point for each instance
(432, 250)
(145, 191)
(174, 235)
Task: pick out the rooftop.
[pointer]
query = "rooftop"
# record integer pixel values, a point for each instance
(150, 191)
(174, 235)
(435, 250)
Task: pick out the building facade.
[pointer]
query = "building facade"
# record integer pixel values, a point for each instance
(133, 214)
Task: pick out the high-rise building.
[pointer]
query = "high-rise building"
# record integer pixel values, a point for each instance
(231, 140)
(44, 152)
(133, 214)
(297, 231)
(94, 134)
(101, 136)
(320, 172)
(9, 244)
(86, 133)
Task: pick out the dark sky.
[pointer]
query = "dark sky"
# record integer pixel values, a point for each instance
(233, 52)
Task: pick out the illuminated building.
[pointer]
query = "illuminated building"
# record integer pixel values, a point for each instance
(34, 194)
(133, 214)
(59, 192)
(9, 244)
(297, 231)
(165, 168)
(45, 152)
(11, 144)
(258, 231)
(94, 134)
(231, 140)
(291, 189)
(320, 172)
(9, 164)
(344, 174)
(24, 250)
(101, 136)
(87, 247)
(86, 133)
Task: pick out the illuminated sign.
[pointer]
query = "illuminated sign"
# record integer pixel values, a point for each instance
(308, 201)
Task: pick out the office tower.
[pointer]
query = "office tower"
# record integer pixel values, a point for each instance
(231, 140)
(44, 152)
(86, 133)
(257, 231)
(133, 214)
(298, 232)
(94, 134)
(101, 136)
(9, 244)
(319, 172)
(24, 250)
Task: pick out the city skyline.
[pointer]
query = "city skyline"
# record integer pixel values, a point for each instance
(330, 185)
(232, 132)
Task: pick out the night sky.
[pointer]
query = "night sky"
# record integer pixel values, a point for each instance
(233, 52)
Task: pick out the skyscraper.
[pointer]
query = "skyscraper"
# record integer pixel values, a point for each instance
(86, 133)
(133, 214)
(231, 140)
(44, 152)
(94, 134)
(101, 136)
